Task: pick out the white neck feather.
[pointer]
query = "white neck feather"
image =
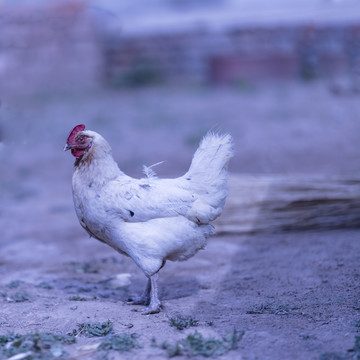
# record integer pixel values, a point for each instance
(97, 166)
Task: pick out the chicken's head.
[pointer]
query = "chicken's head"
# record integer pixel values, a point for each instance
(78, 141)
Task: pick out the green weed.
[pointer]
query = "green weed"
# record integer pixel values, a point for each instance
(80, 298)
(36, 345)
(122, 342)
(44, 285)
(183, 322)
(195, 344)
(91, 329)
(93, 266)
(270, 308)
(14, 284)
(19, 296)
(87, 267)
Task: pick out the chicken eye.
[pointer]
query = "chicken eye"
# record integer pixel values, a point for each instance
(81, 139)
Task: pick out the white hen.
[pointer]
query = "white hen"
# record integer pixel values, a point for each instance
(151, 220)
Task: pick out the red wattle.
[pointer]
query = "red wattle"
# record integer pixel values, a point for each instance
(77, 153)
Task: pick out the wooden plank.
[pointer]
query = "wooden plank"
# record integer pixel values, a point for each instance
(290, 203)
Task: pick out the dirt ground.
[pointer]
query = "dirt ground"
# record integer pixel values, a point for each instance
(291, 295)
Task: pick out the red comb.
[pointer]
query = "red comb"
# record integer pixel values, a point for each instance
(74, 131)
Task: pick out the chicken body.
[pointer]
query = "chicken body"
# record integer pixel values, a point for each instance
(150, 220)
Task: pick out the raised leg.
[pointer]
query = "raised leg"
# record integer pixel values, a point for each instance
(155, 304)
(144, 298)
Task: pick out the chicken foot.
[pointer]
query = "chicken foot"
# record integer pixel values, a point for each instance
(149, 297)
(144, 298)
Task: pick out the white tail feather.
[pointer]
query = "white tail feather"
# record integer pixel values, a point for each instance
(208, 170)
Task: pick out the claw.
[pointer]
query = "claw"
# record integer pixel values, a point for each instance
(138, 300)
(152, 309)
(143, 299)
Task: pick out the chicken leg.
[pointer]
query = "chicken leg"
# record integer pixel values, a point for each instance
(155, 304)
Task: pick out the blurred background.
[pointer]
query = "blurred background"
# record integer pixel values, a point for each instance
(153, 77)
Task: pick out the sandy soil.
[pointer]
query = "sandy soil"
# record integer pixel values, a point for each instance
(295, 295)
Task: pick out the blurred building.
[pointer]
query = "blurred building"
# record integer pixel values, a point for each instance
(61, 44)
(45, 48)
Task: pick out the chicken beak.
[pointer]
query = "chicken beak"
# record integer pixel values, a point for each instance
(67, 147)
